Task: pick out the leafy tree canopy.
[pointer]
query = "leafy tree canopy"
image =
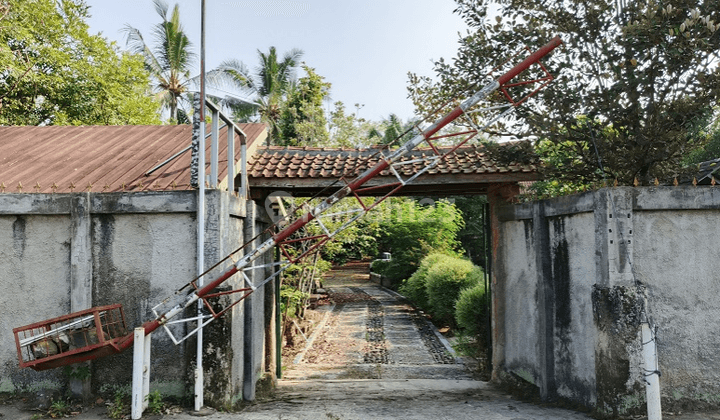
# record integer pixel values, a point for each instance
(347, 129)
(303, 121)
(410, 231)
(55, 72)
(635, 80)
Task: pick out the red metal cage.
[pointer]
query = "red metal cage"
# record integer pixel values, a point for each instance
(71, 338)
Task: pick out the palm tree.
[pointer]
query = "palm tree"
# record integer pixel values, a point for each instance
(393, 128)
(170, 60)
(267, 87)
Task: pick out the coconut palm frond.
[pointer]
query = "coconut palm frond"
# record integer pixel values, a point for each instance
(136, 44)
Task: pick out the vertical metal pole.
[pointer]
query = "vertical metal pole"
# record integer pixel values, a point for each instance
(199, 380)
(214, 148)
(137, 374)
(488, 283)
(231, 159)
(243, 169)
(278, 319)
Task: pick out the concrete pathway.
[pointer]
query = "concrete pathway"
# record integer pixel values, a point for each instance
(374, 357)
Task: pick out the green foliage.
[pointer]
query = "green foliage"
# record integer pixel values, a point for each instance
(558, 160)
(415, 287)
(302, 121)
(347, 130)
(471, 311)
(644, 74)
(77, 372)
(379, 266)
(356, 242)
(120, 406)
(291, 300)
(410, 231)
(390, 130)
(472, 235)
(445, 280)
(169, 61)
(155, 402)
(55, 72)
(268, 87)
(711, 150)
(59, 409)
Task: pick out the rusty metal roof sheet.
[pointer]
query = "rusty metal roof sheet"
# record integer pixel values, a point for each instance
(104, 158)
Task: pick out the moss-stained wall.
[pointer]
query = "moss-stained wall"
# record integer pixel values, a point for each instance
(34, 273)
(138, 260)
(135, 249)
(577, 275)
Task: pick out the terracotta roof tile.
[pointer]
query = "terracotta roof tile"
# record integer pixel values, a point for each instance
(312, 162)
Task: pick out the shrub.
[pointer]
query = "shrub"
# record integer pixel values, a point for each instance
(471, 317)
(445, 280)
(291, 296)
(471, 311)
(411, 231)
(415, 288)
(379, 266)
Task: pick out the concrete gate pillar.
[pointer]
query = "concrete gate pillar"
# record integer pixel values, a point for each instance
(498, 194)
(81, 276)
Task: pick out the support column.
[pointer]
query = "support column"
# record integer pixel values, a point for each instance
(498, 195)
(270, 292)
(546, 301)
(254, 311)
(80, 278)
(80, 254)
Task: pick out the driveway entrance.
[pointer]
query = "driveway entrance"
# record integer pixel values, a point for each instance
(372, 356)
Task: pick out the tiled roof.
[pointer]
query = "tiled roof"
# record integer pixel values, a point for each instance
(303, 168)
(308, 162)
(103, 158)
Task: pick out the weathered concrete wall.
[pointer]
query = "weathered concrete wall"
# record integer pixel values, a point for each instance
(34, 268)
(138, 260)
(572, 279)
(518, 268)
(66, 252)
(680, 272)
(223, 339)
(573, 274)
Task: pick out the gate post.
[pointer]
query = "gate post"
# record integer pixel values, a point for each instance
(141, 373)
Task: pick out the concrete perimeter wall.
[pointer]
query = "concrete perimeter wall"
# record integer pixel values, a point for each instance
(570, 282)
(61, 253)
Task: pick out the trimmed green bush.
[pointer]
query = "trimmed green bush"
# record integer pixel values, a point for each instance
(415, 288)
(471, 311)
(445, 280)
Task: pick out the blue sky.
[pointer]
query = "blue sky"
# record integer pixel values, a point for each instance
(364, 48)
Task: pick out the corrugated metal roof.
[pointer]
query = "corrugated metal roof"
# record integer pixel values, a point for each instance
(104, 158)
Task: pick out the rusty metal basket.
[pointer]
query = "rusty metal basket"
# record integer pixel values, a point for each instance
(71, 338)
